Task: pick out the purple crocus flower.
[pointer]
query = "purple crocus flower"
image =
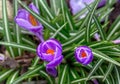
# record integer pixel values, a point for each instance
(50, 51)
(83, 55)
(116, 41)
(27, 21)
(2, 57)
(97, 36)
(78, 5)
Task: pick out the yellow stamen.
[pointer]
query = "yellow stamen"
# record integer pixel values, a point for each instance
(83, 54)
(32, 20)
(50, 51)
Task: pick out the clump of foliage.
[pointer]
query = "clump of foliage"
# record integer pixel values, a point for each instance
(72, 32)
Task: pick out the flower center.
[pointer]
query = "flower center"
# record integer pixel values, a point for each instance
(83, 54)
(50, 51)
(32, 20)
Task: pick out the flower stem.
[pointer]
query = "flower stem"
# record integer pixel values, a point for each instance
(40, 36)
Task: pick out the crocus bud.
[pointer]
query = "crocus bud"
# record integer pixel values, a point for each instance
(83, 55)
(27, 21)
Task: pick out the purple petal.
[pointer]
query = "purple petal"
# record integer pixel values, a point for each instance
(38, 50)
(95, 81)
(102, 3)
(34, 8)
(77, 56)
(2, 57)
(36, 29)
(23, 14)
(43, 55)
(116, 41)
(76, 6)
(88, 1)
(52, 71)
(47, 57)
(23, 23)
(55, 62)
(57, 52)
(56, 42)
(97, 36)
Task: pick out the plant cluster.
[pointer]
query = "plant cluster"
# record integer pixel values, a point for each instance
(72, 47)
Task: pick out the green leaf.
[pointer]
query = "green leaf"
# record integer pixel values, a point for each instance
(106, 80)
(12, 77)
(109, 69)
(5, 75)
(55, 34)
(63, 75)
(105, 57)
(28, 41)
(117, 74)
(18, 46)
(74, 74)
(68, 16)
(36, 60)
(46, 8)
(112, 79)
(97, 65)
(85, 79)
(46, 76)
(113, 29)
(74, 38)
(99, 27)
(27, 74)
(98, 24)
(87, 32)
(7, 34)
(17, 32)
(55, 6)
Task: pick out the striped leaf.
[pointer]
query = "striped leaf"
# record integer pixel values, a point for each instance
(6, 27)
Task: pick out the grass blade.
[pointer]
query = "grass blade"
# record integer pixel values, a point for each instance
(5, 75)
(63, 77)
(95, 68)
(118, 75)
(6, 26)
(109, 69)
(114, 27)
(46, 8)
(84, 79)
(55, 5)
(27, 74)
(12, 77)
(55, 34)
(87, 32)
(18, 46)
(105, 57)
(17, 29)
(46, 76)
